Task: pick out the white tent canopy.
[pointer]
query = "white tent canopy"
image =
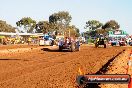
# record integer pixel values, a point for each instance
(33, 34)
(117, 35)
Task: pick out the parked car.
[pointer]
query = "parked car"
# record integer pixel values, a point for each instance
(114, 43)
(122, 43)
(130, 42)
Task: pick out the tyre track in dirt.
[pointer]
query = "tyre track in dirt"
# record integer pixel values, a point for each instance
(33, 67)
(29, 68)
(30, 58)
(62, 61)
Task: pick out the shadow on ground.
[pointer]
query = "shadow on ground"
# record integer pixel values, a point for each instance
(9, 59)
(5, 59)
(54, 50)
(50, 50)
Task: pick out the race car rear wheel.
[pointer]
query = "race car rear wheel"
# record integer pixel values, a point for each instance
(60, 48)
(104, 45)
(96, 45)
(72, 48)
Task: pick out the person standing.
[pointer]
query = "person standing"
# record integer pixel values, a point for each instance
(29, 40)
(4, 41)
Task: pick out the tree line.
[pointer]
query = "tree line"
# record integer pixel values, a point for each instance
(59, 23)
(96, 27)
(4, 27)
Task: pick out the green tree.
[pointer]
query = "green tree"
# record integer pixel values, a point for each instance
(112, 24)
(60, 17)
(72, 31)
(93, 25)
(60, 20)
(77, 32)
(43, 27)
(102, 31)
(4, 27)
(27, 23)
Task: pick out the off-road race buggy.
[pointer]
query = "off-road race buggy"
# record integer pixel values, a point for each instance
(100, 41)
(69, 44)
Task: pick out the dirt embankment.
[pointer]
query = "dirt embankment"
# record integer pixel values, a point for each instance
(118, 66)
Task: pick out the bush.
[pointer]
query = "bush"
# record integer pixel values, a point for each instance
(90, 40)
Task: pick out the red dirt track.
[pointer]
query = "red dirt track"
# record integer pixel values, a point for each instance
(38, 68)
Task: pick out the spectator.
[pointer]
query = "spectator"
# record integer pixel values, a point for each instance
(4, 41)
(29, 40)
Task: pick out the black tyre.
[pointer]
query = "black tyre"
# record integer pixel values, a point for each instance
(60, 48)
(78, 46)
(73, 47)
(104, 45)
(96, 45)
(52, 43)
(120, 44)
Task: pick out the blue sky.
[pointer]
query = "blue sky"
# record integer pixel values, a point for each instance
(80, 10)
